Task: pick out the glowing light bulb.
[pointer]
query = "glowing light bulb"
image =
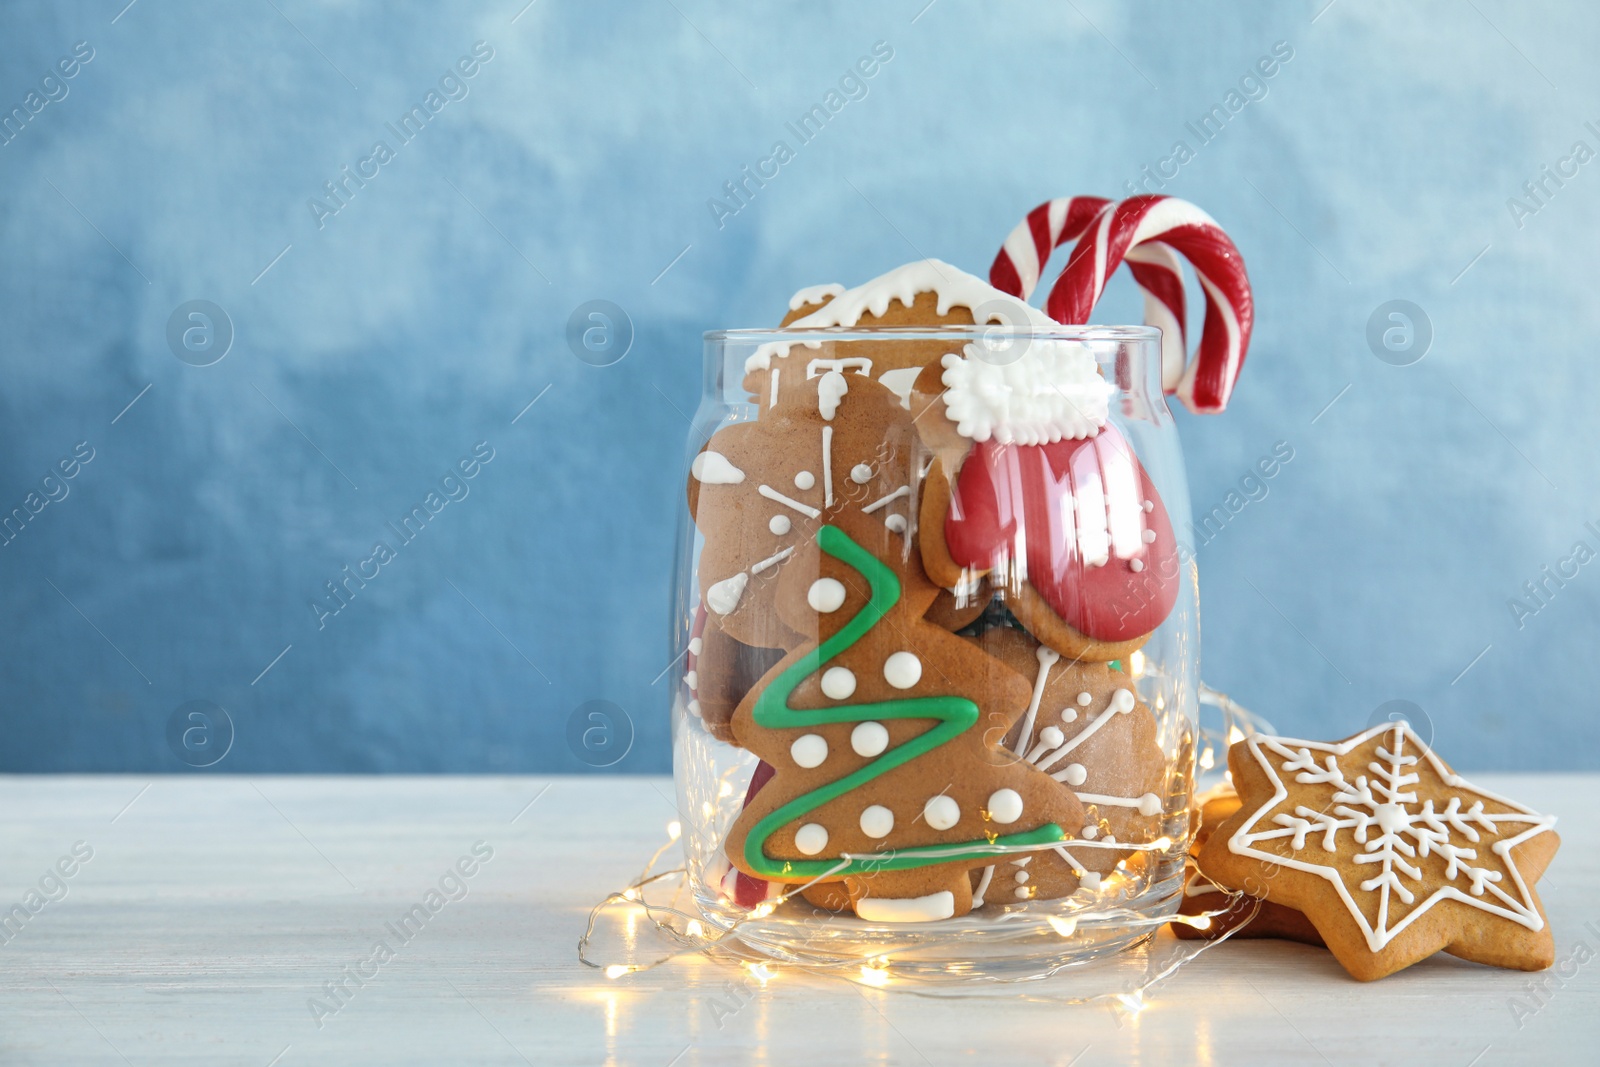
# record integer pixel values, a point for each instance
(617, 970)
(763, 909)
(760, 972)
(1208, 759)
(1133, 1002)
(1200, 922)
(1136, 663)
(694, 929)
(631, 893)
(1162, 843)
(1064, 927)
(1235, 735)
(874, 974)
(674, 829)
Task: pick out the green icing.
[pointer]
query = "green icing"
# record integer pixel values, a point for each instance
(954, 714)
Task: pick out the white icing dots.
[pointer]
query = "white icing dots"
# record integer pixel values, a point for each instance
(1149, 537)
(870, 739)
(1149, 805)
(838, 683)
(877, 821)
(1051, 737)
(895, 523)
(826, 595)
(1005, 806)
(902, 670)
(809, 751)
(1090, 833)
(1149, 506)
(805, 480)
(830, 390)
(1023, 892)
(1090, 880)
(1085, 699)
(694, 708)
(1021, 877)
(692, 680)
(811, 838)
(779, 524)
(1136, 565)
(695, 645)
(1123, 700)
(713, 468)
(861, 474)
(1069, 714)
(724, 596)
(941, 812)
(1075, 774)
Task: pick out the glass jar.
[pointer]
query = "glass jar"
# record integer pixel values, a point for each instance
(935, 701)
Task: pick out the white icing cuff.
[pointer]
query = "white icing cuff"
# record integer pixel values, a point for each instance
(907, 910)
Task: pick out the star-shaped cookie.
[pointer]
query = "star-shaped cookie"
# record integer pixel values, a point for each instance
(1389, 853)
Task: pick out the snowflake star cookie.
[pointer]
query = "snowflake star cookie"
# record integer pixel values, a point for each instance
(1389, 853)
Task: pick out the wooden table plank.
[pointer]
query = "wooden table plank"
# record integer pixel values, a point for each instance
(214, 908)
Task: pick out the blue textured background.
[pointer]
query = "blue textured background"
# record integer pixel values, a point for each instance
(422, 317)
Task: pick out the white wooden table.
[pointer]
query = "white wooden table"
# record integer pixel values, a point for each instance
(214, 908)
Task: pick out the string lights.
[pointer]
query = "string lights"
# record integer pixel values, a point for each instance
(657, 895)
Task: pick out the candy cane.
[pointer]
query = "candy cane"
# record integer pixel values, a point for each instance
(1125, 231)
(1156, 268)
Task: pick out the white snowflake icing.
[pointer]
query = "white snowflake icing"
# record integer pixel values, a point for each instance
(1395, 830)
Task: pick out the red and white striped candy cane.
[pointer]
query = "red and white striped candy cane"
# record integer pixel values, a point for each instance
(1149, 232)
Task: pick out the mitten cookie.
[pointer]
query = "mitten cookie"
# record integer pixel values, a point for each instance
(1072, 531)
(1389, 853)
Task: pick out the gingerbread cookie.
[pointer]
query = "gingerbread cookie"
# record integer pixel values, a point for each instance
(719, 670)
(1087, 729)
(1246, 916)
(882, 726)
(1388, 853)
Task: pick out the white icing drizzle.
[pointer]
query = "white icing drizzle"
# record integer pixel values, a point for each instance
(899, 382)
(904, 490)
(934, 906)
(713, 468)
(1386, 819)
(952, 286)
(1118, 704)
(814, 294)
(1050, 391)
(772, 560)
(860, 364)
(772, 494)
(1047, 658)
(723, 597)
(830, 391)
(1149, 804)
(827, 466)
(983, 886)
(772, 402)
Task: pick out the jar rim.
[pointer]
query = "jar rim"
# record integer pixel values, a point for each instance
(1097, 332)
